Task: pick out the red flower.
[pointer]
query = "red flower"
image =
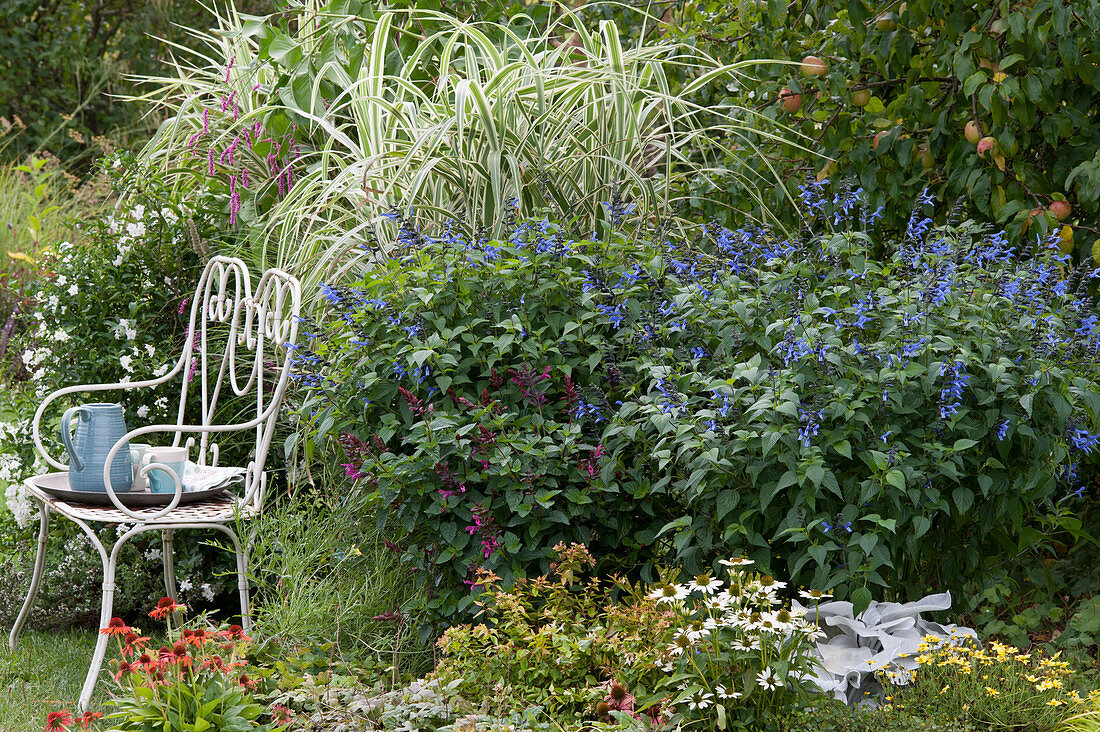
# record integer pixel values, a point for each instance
(133, 643)
(165, 607)
(235, 632)
(145, 662)
(280, 714)
(194, 637)
(116, 627)
(246, 682)
(59, 721)
(215, 663)
(89, 717)
(124, 667)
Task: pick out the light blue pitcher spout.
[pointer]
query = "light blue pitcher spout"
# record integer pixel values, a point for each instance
(98, 428)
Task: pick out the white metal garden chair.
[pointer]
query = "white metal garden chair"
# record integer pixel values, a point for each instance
(254, 361)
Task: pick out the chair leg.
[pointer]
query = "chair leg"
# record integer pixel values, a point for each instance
(36, 577)
(106, 607)
(242, 586)
(168, 557)
(242, 574)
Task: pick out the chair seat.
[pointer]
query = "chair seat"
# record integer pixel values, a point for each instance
(222, 509)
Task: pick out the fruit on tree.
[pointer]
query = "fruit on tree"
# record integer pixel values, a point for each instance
(1065, 239)
(927, 159)
(878, 137)
(987, 145)
(973, 132)
(861, 97)
(813, 66)
(885, 23)
(789, 101)
(1060, 209)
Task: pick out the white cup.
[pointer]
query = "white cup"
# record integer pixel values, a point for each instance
(174, 458)
(137, 452)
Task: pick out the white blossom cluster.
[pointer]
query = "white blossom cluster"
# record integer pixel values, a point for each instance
(742, 624)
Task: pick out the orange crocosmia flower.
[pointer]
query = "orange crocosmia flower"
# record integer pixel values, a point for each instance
(59, 721)
(117, 626)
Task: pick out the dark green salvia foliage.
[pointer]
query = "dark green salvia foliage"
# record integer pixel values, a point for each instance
(878, 426)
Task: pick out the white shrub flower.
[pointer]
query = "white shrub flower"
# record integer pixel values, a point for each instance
(143, 411)
(127, 362)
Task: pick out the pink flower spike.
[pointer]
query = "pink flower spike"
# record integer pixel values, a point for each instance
(228, 68)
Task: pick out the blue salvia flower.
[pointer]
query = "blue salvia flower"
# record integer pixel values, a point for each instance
(1084, 441)
(1002, 429)
(952, 391)
(811, 424)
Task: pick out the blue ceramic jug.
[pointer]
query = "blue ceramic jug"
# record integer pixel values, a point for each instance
(98, 428)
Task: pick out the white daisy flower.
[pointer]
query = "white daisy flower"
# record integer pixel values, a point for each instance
(724, 693)
(746, 644)
(814, 594)
(700, 700)
(680, 643)
(736, 562)
(768, 679)
(669, 593)
(705, 583)
(771, 584)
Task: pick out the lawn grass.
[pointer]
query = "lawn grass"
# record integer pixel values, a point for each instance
(43, 674)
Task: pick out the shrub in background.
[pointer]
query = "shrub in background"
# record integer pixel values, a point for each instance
(899, 83)
(898, 425)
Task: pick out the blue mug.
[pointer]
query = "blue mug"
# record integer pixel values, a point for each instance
(154, 462)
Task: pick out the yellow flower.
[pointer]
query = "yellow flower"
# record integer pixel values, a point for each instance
(1054, 703)
(991, 691)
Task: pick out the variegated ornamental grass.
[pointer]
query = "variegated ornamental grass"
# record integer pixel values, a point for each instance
(420, 111)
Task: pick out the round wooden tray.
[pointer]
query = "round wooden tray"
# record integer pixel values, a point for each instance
(57, 485)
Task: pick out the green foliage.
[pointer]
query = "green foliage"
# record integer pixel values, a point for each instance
(135, 269)
(1025, 72)
(303, 120)
(66, 59)
(875, 426)
(830, 715)
(322, 575)
(561, 642)
(36, 200)
(724, 655)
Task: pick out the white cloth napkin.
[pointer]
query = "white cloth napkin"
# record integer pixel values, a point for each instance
(204, 478)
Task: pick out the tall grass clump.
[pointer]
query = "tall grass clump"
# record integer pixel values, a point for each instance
(314, 122)
(323, 576)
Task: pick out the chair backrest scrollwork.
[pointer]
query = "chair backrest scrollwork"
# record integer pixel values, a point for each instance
(238, 350)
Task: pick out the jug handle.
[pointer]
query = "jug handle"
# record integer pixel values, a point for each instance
(66, 435)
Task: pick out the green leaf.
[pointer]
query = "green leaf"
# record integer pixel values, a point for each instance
(861, 599)
(896, 478)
